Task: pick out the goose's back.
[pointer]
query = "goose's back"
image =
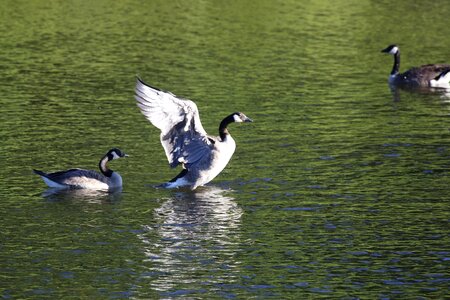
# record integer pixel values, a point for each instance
(80, 178)
(421, 76)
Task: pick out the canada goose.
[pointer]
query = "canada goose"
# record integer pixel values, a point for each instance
(418, 76)
(183, 138)
(87, 179)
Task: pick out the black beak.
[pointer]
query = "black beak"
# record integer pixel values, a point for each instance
(386, 50)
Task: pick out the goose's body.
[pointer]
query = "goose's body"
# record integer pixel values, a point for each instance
(86, 179)
(183, 138)
(208, 166)
(432, 75)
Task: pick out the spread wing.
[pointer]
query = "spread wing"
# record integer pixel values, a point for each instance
(182, 135)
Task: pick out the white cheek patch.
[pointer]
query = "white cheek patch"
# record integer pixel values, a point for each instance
(115, 156)
(393, 50)
(237, 119)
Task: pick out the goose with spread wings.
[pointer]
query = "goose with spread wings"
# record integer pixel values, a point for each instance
(183, 138)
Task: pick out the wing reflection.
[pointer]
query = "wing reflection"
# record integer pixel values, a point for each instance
(197, 235)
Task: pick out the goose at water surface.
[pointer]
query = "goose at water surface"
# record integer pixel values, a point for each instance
(87, 179)
(183, 138)
(432, 75)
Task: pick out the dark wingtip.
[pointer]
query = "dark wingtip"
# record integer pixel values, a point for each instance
(138, 78)
(146, 84)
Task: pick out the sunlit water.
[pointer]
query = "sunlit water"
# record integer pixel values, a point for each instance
(339, 189)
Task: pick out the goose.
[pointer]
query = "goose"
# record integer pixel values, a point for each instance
(183, 138)
(86, 179)
(432, 75)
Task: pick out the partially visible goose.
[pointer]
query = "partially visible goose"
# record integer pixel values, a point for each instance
(183, 138)
(87, 179)
(433, 75)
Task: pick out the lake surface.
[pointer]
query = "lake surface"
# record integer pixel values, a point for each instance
(339, 189)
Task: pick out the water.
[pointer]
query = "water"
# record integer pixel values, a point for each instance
(337, 190)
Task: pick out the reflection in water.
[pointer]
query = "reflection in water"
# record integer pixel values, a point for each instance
(198, 234)
(94, 196)
(443, 93)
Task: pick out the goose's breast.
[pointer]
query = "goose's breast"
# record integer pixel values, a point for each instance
(223, 152)
(220, 156)
(392, 79)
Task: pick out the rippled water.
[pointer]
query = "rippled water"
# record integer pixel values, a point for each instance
(339, 189)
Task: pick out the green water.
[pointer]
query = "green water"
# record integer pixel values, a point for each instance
(337, 190)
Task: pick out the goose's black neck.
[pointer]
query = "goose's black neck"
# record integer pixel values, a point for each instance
(223, 131)
(396, 65)
(104, 167)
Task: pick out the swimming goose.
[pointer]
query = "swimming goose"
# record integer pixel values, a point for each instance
(432, 75)
(87, 179)
(183, 138)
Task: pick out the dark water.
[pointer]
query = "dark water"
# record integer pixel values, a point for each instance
(337, 190)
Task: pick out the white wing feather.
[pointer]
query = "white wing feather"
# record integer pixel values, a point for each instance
(182, 135)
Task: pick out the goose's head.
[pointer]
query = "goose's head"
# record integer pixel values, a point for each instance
(239, 117)
(115, 153)
(391, 49)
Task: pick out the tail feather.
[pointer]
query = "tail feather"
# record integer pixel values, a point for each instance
(442, 80)
(40, 173)
(48, 181)
(177, 181)
(180, 175)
